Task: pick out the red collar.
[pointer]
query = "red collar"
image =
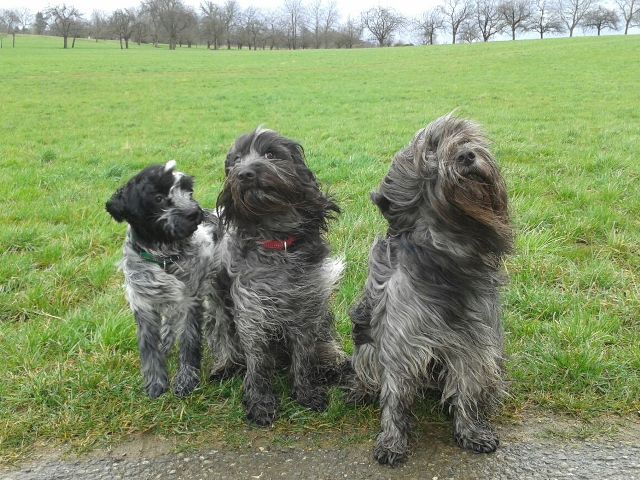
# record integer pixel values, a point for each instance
(278, 244)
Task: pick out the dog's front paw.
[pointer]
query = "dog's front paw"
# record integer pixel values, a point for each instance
(262, 412)
(389, 451)
(156, 388)
(314, 399)
(477, 439)
(186, 381)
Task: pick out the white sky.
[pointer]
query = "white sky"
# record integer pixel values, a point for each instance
(353, 7)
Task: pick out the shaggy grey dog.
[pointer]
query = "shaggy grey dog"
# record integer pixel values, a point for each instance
(168, 263)
(276, 277)
(429, 316)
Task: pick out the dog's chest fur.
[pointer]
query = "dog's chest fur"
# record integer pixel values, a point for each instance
(277, 285)
(430, 286)
(183, 279)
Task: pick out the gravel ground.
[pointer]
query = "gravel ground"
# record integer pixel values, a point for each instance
(524, 454)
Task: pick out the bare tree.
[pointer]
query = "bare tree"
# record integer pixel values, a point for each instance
(515, 14)
(230, 18)
(469, 32)
(254, 26)
(274, 30)
(349, 33)
(140, 25)
(295, 18)
(64, 20)
(150, 15)
(382, 23)
(316, 13)
(456, 12)
(545, 19)
(122, 23)
(212, 24)
(99, 26)
(428, 25)
(10, 20)
(630, 11)
(571, 12)
(600, 18)
(330, 19)
(25, 18)
(78, 28)
(488, 18)
(172, 16)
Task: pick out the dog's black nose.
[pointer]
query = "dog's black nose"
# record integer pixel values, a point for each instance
(246, 174)
(467, 158)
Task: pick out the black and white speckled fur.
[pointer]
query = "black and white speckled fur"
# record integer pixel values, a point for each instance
(168, 287)
(277, 301)
(429, 316)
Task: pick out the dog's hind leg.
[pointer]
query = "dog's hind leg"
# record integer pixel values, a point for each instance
(152, 356)
(224, 345)
(188, 375)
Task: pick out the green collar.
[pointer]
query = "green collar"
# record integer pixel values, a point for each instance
(159, 260)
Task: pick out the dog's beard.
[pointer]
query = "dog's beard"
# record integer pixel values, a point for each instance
(253, 201)
(479, 193)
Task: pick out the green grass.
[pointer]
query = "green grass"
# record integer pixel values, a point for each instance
(74, 124)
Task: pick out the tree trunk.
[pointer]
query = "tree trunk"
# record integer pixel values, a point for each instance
(73, 43)
(571, 31)
(65, 40)
(513, 33)
(120, 38)
(541, 34)
(454, 36)
(126, 43)
(14, 39)
(599, 28)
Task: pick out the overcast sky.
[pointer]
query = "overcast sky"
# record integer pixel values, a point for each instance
(353, 7)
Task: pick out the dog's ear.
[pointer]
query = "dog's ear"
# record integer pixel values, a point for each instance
(116, 206)
(380, 201)
(295, 150)
(170, 166)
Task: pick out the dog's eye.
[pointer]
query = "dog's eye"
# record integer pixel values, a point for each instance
(159, 198)
(269, 156)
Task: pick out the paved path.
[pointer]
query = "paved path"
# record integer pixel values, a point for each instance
(522, 455)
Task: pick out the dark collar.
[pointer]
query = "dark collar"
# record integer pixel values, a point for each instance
(278, 244)
(162, 260)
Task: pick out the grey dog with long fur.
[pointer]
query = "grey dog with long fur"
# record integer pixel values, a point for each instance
(168, 265)
(276, 275)
(429, 316)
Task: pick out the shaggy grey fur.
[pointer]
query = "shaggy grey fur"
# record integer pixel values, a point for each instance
(168, 264)
(275, 303)
(429, 316)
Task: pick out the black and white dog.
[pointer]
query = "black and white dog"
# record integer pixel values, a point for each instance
(430, 313)
(276, 275)
(168, 265)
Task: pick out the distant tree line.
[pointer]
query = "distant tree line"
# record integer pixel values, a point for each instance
(317, 24)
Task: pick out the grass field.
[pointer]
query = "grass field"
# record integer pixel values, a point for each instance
(75, 124)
